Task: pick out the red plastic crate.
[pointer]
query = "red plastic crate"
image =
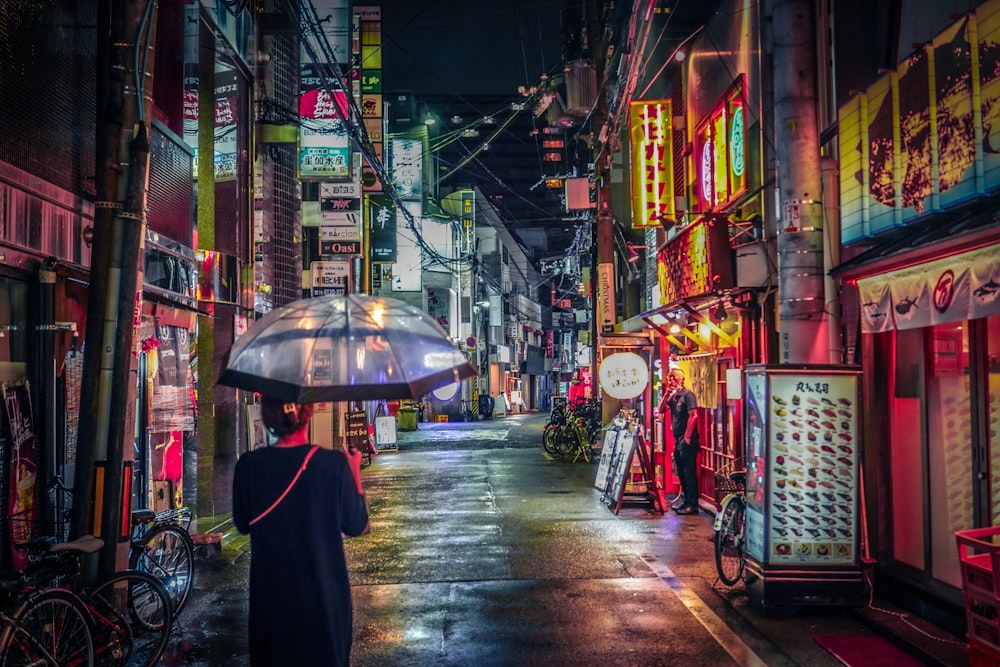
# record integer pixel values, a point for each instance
(979, 554)
(983, 621)
(981, 655)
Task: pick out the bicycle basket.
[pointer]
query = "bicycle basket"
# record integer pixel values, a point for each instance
(29, 525)
(724, 483)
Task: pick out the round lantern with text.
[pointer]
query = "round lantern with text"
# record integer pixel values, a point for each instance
(623, 375)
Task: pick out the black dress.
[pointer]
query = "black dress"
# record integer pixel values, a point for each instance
(300, 595)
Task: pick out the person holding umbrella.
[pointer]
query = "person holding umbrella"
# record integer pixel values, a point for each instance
(297, 502)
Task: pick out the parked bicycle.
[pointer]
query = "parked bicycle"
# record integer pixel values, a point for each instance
(129, 615)
(45, 628)
(730, 523)
(571, 432)
(569, 440)
(162, 546)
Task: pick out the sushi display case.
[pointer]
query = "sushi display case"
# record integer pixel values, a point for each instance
(803, 485)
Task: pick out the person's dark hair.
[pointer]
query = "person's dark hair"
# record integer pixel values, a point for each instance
(283, 418)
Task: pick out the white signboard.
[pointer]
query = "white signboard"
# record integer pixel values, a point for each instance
(330, 277)
(339, 190)
(340, 226)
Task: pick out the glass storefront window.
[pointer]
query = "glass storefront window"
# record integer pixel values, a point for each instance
(906, 446)
(993, 415)
(949, 432)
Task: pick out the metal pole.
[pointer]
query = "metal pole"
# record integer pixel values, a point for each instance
(107, 419)
(801, 308)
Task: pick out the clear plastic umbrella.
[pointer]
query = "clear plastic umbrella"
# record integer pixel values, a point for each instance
(339, 348)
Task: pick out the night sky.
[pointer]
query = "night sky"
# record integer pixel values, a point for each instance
(467, 47)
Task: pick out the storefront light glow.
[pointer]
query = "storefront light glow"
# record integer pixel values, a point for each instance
(447, 392)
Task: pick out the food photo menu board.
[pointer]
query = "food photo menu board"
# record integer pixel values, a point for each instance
(811, 469)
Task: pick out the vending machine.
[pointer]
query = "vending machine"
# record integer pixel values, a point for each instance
(803, 521)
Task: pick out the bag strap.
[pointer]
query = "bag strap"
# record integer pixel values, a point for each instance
(302, 468)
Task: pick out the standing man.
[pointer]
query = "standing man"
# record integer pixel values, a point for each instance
(684, 425)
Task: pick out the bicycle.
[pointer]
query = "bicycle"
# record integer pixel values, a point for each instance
(570, 439)
(42, 628)
(730, 523)
(129, 614)
(161, 545)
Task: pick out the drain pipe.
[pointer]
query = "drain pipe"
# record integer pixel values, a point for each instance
(831, 255)
(801, 308)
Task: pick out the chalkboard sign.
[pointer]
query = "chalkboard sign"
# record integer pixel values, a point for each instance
(357, 430)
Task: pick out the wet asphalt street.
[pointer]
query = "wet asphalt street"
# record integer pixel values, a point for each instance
(485, 552)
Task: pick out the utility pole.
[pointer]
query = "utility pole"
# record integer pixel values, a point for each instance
(102, 484)
(802, 320)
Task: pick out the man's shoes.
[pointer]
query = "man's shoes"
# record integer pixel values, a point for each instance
(686, 509)
(678, 502)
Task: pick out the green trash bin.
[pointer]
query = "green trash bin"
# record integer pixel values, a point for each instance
(406, 418)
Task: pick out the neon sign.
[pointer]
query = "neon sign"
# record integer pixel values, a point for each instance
(721, 150)
(652, 162)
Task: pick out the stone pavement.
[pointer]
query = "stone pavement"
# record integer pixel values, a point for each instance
(483, 552)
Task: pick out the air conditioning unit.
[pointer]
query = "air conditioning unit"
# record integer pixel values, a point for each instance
(581, 87)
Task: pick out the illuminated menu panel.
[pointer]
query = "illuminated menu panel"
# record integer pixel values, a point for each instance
(720, 150)
(652, 162)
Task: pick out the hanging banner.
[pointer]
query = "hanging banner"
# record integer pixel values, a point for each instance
(172, 399)
(701, 377)
(876, 306)
(22, 491)
(962, 287)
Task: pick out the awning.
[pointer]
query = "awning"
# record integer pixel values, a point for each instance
(961, 287)
(938, 235)
(681, 313)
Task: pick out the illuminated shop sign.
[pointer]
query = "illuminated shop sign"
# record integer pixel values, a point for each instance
(926, 135)
(696, 262)
(652, 162)
(720, 150)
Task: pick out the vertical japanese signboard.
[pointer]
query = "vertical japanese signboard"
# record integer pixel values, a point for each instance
(652, 162)
(720, 150)
(382, 223)
(324, 143)
(368, 76)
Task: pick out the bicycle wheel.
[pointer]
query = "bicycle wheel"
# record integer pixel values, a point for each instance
(167, 553)
(729, 558)
(548, 439)
(142, 601)
(49, 629)
(564, 440)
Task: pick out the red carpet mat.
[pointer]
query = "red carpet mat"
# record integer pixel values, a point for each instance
(867, 652)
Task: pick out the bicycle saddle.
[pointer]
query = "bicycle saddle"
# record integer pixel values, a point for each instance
(87, 544)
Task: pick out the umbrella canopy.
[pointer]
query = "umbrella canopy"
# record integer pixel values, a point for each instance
(339, 348)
